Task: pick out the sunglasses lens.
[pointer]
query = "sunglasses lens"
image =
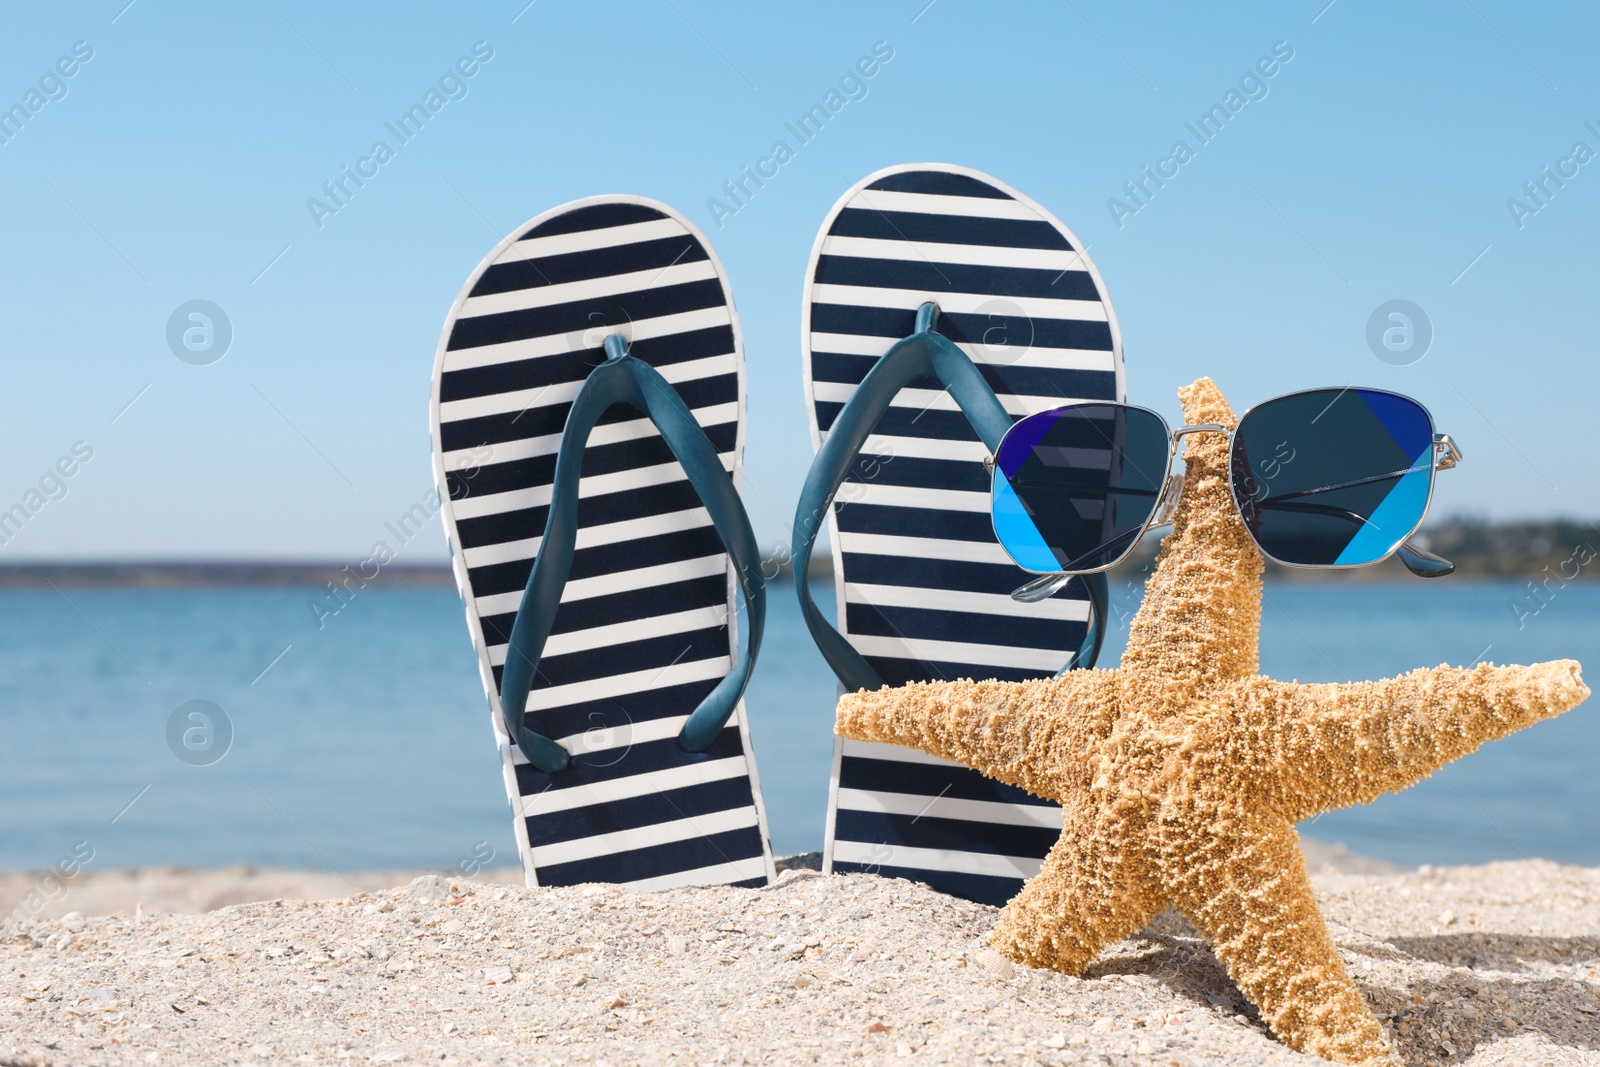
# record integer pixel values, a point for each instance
(1074, 486)
(1333, 477)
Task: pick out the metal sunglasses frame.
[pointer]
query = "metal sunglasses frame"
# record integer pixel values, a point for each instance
(1419, 561)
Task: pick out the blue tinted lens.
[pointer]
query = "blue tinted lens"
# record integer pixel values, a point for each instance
(1333, 477)
(1074, 486)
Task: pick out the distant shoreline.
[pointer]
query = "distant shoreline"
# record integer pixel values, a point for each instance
(1557, 551)
(266, 575)
(219, 574)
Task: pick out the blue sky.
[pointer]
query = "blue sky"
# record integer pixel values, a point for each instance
(176, 163)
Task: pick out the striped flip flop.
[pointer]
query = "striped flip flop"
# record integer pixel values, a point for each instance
(940, 306)
(588, 418)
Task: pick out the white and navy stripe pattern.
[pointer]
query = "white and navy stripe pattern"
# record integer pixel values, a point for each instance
(642, 633)
(923, 586)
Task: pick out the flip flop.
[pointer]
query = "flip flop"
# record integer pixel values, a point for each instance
(940, 306)
(588, 418)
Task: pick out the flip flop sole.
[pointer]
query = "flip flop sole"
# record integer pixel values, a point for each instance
(642, 634)
(923, 585)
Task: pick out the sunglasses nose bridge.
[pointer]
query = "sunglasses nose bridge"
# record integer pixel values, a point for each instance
(1203, 427)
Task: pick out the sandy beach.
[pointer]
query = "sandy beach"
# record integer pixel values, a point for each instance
(1495, 964)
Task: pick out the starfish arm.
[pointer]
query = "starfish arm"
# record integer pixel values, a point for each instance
(1331, 746)
(1239, 877)
(1007, 730)
(1095, 887)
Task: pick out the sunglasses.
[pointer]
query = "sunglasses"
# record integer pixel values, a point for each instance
(1322, 478)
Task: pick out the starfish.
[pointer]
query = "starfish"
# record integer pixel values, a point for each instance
(1183, 771)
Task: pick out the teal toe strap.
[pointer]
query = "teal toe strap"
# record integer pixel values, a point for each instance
(625, 380)
(925, 354)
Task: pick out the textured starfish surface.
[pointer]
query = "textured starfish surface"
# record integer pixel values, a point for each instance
(1183, 771)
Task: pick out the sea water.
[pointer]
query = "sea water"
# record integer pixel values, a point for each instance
(362, 740)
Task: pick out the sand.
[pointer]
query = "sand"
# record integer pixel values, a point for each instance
(1495, 964)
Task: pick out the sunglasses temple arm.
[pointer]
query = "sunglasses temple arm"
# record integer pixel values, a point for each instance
(1447, 454)
(1041, 588)
(1418, 561)
(1045, 586)
(1099, 590)
(1313, 491)
(1422, 563)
